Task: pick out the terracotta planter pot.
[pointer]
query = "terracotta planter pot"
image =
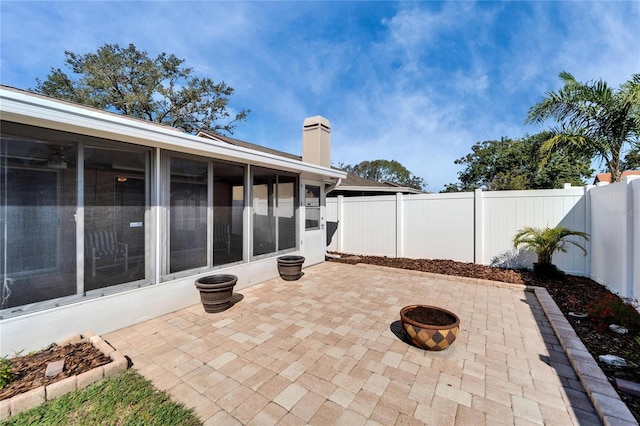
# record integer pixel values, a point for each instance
(216, 292)
(435, 335)
(290, 267)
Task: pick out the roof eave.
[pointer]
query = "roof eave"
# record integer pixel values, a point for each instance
(32, 109)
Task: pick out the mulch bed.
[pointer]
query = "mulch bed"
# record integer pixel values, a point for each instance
(571, 294)
(29, 370)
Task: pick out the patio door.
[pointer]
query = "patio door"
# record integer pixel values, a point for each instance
(313, 233)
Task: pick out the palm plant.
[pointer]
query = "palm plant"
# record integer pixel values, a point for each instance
(593, 118)
(546, 241)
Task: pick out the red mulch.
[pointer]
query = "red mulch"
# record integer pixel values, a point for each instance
(571, 294)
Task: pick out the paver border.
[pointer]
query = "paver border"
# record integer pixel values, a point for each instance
(611, 409)
(605, 399)
(31, 399)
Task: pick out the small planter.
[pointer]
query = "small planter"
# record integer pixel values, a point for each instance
(216, 292)
(430, 327)
(290, 267)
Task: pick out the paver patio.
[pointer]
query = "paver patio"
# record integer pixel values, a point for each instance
(324, 350)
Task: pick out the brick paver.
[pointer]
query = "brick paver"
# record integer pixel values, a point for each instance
(326, 350)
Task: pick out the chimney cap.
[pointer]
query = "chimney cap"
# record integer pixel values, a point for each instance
(316, 120)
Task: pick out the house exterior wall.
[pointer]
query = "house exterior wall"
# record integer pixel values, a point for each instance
(157, 290)
(114, 311)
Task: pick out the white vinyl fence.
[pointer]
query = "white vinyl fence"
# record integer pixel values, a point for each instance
(478, 226)
(615, 231)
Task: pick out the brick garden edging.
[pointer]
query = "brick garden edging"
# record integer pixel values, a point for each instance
(28, 400)
(611, 409)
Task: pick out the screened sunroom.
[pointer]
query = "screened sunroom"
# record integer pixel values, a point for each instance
(107, 220)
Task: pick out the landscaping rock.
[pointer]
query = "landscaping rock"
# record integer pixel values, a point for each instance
(54, 368)
(618, 329)
(613, 360)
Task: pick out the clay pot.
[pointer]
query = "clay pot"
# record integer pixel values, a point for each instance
(290, 267)
(216, 292)
(430, 327)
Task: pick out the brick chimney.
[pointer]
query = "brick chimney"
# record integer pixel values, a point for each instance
(316, 141)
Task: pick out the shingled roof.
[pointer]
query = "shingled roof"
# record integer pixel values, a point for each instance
(249, 145)
(353, 185)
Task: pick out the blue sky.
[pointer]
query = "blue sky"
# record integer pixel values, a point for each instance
(416, 82)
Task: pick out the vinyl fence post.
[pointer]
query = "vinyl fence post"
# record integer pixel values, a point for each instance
(399, 224)
(631, 236)
(587, 228)
(341, 224)
(478, 239)
(634, 214)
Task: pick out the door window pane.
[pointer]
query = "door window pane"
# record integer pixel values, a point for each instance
(38, 202)
(312, 206)
(188, 214)
(115, 198)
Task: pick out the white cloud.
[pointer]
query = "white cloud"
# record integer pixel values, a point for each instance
(416, 82)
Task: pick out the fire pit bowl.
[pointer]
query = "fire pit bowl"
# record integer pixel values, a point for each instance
(430, 327)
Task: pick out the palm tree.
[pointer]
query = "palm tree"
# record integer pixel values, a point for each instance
(545, 242)
(593, 118)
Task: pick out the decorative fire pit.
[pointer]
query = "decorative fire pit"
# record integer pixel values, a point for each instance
(430, 327)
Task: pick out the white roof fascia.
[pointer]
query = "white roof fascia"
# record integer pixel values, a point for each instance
(33, 109)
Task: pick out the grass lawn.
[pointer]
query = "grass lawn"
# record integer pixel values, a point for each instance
(126, 399)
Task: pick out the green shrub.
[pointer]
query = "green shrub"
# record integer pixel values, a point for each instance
(5, 372)
(611, 309)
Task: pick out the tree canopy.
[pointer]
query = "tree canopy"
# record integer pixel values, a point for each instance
(516, 164)
(385, 171)
(592, 118)
(631, 160)
(160, 89)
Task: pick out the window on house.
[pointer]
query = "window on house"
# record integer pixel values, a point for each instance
(274, 206)
(228, 212)
(115, 204)
(188, 188)
(287, 208)
(206, 212)
(54, 185)
(312, 207)
(38, 200)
